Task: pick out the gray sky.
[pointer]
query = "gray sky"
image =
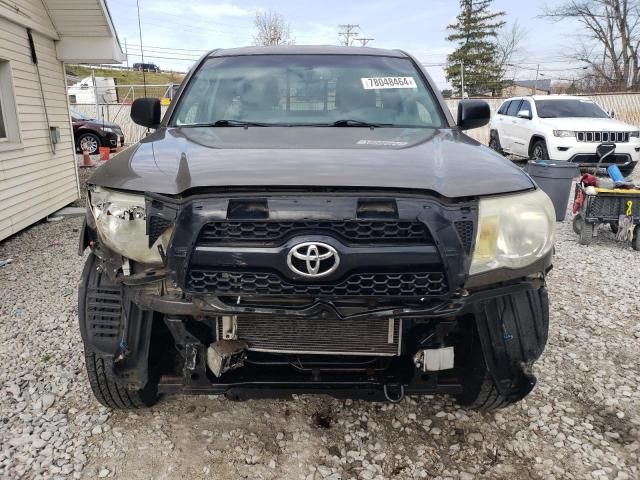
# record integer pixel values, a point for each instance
(176, 33)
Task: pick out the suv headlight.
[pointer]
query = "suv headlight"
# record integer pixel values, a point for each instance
(514, 231)
(121, 223)
(564, 133)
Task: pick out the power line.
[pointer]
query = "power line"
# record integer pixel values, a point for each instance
(349, 31)
(144, 77)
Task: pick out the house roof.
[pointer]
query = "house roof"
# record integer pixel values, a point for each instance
(83, 29)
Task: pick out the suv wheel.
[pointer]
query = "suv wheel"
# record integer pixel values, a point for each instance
(494, 143)
(627, 171)
(539, 150)
(90, 142)
(108, 392)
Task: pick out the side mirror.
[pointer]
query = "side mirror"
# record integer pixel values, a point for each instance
(524, 114)
(473, 114)
(146, 112)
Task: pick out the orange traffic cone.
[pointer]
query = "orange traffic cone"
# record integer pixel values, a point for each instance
(86, 159)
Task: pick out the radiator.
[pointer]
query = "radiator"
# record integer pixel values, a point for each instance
(380, 337)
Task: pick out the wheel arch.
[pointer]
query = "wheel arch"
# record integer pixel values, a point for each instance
(534, 138)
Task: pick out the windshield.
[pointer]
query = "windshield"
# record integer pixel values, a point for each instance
(308, 90)
(78, 115)
(569, 108)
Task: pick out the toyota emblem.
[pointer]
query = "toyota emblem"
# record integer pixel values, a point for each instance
(313, 259)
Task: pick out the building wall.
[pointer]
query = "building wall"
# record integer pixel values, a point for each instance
(34, 181)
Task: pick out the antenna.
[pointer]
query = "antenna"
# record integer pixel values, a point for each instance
(144, 77)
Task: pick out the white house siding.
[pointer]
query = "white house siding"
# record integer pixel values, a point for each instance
(34, 181)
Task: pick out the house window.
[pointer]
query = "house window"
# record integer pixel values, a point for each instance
(9, 133)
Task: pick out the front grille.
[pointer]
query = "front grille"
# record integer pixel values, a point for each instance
(327, 336)
(358, 284)
(615, 137)
(584, 158)
(353, 231)
(104, 311)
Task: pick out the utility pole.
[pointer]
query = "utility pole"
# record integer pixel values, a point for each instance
(126, 53)
(461, 80)
(348, 32)
(535, 85)
(95, 92)
(364, 41)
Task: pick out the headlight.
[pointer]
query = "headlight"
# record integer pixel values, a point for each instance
(564, 133)
(514, 231)
(121, 223)
(108, 129)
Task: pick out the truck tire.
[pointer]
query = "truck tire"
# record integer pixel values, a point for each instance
(509, 334)
(106, 390)
(627, 171)
(539, 150)
(577, 224)
(586, 233)
(635, 242)
(112, 395)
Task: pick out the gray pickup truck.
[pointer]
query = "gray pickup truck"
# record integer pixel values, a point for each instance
(313, 220)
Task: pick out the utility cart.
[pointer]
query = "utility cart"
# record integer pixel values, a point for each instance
(620, 208)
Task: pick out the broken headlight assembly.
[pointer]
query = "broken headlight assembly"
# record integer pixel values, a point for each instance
(514, 231)
(120, 219)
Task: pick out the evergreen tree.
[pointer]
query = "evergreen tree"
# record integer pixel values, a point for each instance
(475, 32)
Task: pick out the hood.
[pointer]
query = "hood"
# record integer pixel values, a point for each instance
(447, 162)
(581, 124)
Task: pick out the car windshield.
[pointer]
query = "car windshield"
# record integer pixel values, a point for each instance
(78, 115)
(569, 108)
(336, 90)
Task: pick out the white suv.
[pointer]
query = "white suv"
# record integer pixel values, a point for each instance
(561, 127)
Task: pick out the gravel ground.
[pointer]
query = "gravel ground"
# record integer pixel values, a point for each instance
(581, 421)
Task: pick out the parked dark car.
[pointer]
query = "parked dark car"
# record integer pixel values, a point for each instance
(147, 67)
(93, 133)
(312, 219)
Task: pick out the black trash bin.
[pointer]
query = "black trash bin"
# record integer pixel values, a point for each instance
(554, 177)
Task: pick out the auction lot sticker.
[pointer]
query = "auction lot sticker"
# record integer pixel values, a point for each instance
(375, 83)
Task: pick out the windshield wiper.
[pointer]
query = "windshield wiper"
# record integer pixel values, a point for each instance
(357, 123)
(229, 123)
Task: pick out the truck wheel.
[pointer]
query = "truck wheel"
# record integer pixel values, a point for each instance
(480, 391)
(112, 395)
(627, 171)
(635, 242)
(577, 224)
(586, 233)
(539, 150)
(109, 393)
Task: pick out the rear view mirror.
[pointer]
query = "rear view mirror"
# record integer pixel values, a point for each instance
(146, 112)
(524, 114)
(473, 114)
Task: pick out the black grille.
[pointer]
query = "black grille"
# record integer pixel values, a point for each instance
(617, 137)
(349, 230)
(618, 158)
(465, 231)
(359, 284)
(104, 311)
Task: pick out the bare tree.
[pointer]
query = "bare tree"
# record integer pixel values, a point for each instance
(611, 40)
(509, 48)
(272, 29)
